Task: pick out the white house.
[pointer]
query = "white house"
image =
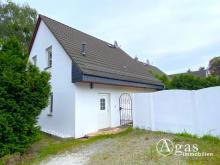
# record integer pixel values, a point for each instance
(91, 80)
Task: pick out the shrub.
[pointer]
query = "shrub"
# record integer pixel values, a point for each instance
(189, 82)
(24, 92)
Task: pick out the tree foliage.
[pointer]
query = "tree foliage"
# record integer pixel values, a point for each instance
(24, 92)
(17, 20)
(214, 66)
(189, 82)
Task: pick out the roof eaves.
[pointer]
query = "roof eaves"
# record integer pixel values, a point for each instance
(104, 80)
(34, 34)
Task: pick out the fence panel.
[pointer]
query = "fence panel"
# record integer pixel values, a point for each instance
(195, 112)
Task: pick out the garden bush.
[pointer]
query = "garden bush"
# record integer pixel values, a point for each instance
(24, 92)
(189, 82)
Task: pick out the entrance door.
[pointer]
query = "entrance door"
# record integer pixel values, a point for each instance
(125, 107)
(104, 111)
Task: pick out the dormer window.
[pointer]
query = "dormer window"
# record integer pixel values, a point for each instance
(49, 57)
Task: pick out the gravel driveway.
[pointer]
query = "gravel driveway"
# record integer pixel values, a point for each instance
(137, 147)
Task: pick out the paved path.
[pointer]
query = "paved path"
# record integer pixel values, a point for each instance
(134, 148)
(74, 157)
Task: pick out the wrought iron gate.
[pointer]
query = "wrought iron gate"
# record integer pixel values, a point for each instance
(125, 107)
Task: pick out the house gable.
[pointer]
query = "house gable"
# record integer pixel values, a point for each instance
(103, 63)
(60, 81)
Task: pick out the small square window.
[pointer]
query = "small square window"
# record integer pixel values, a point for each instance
(102, 104)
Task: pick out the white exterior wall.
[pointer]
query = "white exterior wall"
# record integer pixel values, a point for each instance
(75, 106)
(87, 106)
(142, 114)
(208, 111)
(61, 123)
(174, 111)
(195, 112)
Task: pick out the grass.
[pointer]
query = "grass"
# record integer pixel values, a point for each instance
(206, 143)
(50, 145)
(186, 135)
(211, 139)
(132, 146)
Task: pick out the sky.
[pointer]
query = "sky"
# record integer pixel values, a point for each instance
(174, 35)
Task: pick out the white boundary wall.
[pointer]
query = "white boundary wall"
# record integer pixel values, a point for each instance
(196, 112)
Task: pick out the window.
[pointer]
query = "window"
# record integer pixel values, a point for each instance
(49, 57)
(83, 49)
(102, 104)
(51, 105)
(34, 59)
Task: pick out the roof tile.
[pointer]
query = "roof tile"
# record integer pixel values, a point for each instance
(100, 59)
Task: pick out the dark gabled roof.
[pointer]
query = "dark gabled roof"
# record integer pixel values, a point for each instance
(198, 73)
(102, 59)
(152, 69)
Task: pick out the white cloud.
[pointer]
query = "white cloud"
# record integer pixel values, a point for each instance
(166, 28)
(158, 30)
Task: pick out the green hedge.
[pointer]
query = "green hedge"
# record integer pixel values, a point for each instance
(24, 92)
(189, 82)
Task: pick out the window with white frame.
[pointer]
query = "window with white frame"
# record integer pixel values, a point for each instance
(51, 105)
(102, 104)
(49, 57)
(34, 59)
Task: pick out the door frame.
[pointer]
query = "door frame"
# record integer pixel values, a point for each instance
(108, 109)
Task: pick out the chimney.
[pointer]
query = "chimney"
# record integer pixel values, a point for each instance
(116, 44)
(202, 68)
(148, 62)
(83, 49)
(136, 58)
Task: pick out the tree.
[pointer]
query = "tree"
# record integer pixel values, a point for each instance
(24, 92)
(214, 66)
(164, 79)
(186, 81)
(18, 21)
